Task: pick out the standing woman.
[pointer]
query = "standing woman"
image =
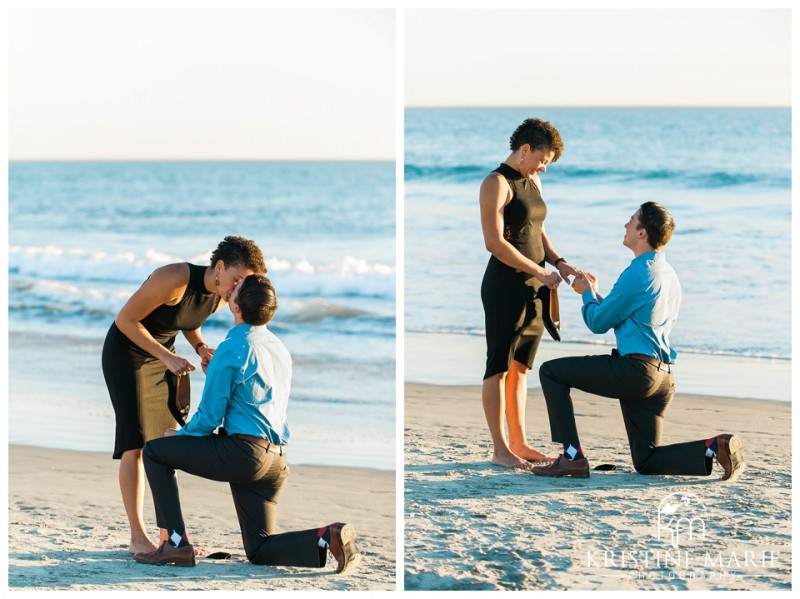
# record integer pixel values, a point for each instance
(140, 348)
(512, 219)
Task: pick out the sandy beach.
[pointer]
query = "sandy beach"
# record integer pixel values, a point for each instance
(67, 528)
(473, 526)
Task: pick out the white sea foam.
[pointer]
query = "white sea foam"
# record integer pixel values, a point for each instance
(84, 236)
(65, 269)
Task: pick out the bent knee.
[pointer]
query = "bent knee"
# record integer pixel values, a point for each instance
(253, 552)
(545, 370)
(643, 467)
(146, 451)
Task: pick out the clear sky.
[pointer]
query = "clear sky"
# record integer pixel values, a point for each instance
(602, 57)
(202, 84)
(206, 83)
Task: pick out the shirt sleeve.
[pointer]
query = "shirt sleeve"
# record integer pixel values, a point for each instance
(216, 395)
(603, 313)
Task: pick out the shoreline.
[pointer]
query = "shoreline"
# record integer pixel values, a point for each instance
(76, 538)
(474, 526)
(106, 455)
(459, 359)
(68, 408)
(701, 396)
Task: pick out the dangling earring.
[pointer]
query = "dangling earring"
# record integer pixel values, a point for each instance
(216, 280)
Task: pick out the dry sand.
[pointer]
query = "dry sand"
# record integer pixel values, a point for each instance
(67, 528)
(472, 526)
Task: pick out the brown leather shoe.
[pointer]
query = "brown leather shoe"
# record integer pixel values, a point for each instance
(564, 467)
(343, 547)
(545, 461)
(728, 456)
(167, 554)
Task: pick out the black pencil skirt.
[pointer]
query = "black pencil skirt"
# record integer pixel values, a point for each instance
(137, 392)
(513, 316)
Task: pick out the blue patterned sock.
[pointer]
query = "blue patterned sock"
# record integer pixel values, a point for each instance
(324, 537)
(712, 447)
(572, 453)
(178, 538)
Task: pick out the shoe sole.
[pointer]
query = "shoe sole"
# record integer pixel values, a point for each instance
(179, 564)
(737, 462)
(351, 555)
(562, 474)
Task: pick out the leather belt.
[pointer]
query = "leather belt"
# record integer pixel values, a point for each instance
(270, 447)
(663, 366)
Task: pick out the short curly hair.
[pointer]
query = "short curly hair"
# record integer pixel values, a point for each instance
(257, 300)
(538, 134)
(238, 251)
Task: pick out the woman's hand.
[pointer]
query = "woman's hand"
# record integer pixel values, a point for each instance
(567, 270)
(549, 278)
(205, 353)
(178, 365)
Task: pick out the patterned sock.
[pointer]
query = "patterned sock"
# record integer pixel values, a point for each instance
(711, 447)
(178, 538)
(324, 537)
(572, 453)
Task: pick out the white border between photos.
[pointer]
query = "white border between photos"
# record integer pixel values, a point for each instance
(400, 7)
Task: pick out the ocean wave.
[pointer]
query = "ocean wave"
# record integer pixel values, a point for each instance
(698, 348)
(61, 301)
(576, 174)
(53, 262)
(300, 398)
(315, 311)
(49, 299)
(413, 172)
(66, 270)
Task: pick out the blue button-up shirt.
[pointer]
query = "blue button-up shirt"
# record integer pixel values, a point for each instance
(642, 307)
(247, 387)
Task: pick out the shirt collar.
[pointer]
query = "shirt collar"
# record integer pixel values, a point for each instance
(240, 330)
(648, 256)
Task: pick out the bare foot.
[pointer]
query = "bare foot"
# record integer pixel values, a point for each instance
(199, 551)
(144, 546)
(510, 461)
(526, 452)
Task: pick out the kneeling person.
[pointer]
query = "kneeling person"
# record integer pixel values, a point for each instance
(247, 390)
(641, 308)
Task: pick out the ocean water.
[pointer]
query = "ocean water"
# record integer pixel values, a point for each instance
(724, 174)
(83, 237)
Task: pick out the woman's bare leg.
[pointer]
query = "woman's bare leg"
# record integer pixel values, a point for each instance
(131, 485)
(516, 388)
(493, 393)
